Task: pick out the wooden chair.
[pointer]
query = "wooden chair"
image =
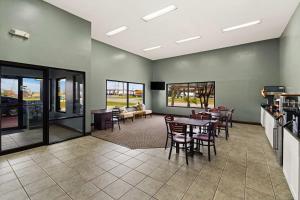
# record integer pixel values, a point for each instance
(230, 118)
(207, 138)
(223, 124)
(168, 119)
(180, 136)
(115, 119)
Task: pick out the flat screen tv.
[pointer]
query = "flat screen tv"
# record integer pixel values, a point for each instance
(158, 85)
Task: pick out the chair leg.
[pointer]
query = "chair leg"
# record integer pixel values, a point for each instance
(208, 151)
(177, 147)
(227, 134)
(170, 150)
(215, 149)
(112, 126)
(167, 141)
(186, 154)
(119, 125)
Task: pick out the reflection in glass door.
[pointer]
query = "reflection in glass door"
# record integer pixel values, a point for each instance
(9, 102)
(21, 107)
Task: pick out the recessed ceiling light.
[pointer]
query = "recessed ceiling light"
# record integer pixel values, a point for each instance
(188, 39)
(152, 48)
(116, 31)
(159, 13)
(242, 26)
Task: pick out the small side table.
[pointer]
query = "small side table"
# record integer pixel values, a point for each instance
(100, 116)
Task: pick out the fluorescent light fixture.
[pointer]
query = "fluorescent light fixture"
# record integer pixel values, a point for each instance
(159, 13)
(116, 31)
(188, 39)
(152, 48)
(242, 26)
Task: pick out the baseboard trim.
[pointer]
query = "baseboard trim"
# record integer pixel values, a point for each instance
(234, 121)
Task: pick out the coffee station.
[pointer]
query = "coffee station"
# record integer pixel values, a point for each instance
(280, 118)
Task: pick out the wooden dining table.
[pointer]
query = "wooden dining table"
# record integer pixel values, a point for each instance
(191, 123)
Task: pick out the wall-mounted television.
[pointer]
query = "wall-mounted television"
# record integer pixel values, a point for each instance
(158, 85)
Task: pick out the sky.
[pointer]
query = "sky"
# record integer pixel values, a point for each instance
(12, 84)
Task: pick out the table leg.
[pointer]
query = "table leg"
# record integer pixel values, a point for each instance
(192, 142)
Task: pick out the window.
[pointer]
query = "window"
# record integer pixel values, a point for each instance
(191, 95)
(61, 95)
(136, 94)
(124, 94)
(78, 94)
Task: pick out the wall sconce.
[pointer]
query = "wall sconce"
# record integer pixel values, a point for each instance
(19, 33)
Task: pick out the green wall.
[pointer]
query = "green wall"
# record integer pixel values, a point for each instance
(62, 40)
(240, 73)
(289, 54)
(112, 63)
(58, 39)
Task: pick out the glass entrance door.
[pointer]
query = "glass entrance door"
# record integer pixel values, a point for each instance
(22, 92)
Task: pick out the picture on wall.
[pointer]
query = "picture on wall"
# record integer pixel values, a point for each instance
(191, 95)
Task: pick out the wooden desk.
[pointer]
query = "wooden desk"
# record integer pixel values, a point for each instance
(100, 116)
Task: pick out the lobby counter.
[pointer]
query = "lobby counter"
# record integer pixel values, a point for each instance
(291, 151)
(268, 121)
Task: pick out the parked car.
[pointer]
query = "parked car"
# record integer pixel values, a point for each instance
(8, 106)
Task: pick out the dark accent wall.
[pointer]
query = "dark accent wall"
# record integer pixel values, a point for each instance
(112, 63)
(240, 73)
(290, 54)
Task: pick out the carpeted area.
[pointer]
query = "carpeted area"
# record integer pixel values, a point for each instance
(140, 134)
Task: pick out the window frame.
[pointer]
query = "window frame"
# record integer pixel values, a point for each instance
(188, 83)
(57, 103)
(127, 89)
(76, 92)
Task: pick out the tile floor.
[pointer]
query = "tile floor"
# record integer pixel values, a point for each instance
(90, 168)
(24, 137)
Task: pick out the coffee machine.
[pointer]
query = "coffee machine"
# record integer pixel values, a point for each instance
(296, 124)
(289, 106)
(269, 92)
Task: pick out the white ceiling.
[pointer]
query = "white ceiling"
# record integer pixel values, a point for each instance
(193, 17)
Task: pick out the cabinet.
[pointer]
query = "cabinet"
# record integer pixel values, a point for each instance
(269, 122)
(291, 162)
(262, 116)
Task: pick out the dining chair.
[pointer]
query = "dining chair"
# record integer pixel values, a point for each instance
(223, 124)
(230, 118)
(168, 119)
(207, 138)
(115, 119)
(193, 112)
(180, 136)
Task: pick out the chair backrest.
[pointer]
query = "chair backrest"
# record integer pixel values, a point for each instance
(168, 119)
(116, 113)
(193, 112)
(177, 128)
(231, 113)
(196, 116)
(215, 110)
(222, 108)
(211, 129)
(205, 116)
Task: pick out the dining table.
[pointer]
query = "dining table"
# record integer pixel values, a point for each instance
(191, 123)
